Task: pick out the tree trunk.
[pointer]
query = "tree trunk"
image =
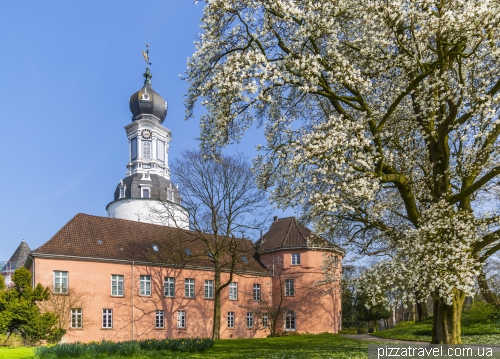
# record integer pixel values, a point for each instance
(216, 325)
(446, 328)
(375, 326)
(421, 311)
(486, 292)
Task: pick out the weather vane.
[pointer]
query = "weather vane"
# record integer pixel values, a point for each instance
(145, 54)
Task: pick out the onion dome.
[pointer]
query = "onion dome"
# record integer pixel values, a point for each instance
(146, 103)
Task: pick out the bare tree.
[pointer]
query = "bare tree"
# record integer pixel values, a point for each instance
(223, 202)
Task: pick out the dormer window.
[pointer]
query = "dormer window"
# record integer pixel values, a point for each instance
(188, 251)
(122, 191)
(155, 248)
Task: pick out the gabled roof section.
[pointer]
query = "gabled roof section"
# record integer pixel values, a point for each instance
(89, 237)
(289, 232)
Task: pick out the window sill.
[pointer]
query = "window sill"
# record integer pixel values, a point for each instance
(117, 296)
(75, 329)
(208, 298)
(232, 328)
(168, 296)
(160, 328)
(107, 328)
(181, 328)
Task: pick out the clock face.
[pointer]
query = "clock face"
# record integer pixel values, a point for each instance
(146, 134)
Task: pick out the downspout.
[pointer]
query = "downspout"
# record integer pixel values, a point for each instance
(132, 290)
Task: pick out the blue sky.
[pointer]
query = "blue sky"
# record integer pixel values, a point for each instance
(67, 72)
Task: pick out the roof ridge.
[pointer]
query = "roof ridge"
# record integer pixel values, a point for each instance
(298, 228)
(287, 232)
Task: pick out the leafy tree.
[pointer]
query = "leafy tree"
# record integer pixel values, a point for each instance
(223, 202)
(370, 314)
(19, 311)
(2, 283)
(381, 120)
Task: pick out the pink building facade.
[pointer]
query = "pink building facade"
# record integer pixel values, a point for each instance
(123, 280)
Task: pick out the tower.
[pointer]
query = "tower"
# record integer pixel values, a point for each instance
(146, 194)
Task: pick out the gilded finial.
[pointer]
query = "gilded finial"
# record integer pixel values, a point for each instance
(147, 75)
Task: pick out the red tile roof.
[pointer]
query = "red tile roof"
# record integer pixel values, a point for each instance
(101, 238)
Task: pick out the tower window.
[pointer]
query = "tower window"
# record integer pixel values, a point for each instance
(133, 149)
(160, 150)
(146, 193)
(122, 191)
(146, 149)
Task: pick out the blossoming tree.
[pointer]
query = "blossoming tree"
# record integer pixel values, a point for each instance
(381, 119)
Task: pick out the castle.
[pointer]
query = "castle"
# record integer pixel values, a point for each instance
(123, 277)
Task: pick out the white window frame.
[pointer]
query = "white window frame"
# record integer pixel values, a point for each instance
(295, 259)
(249, 320)
(265, 321)
(336, 261)
(107, 318)
(209, 289)
(233, 291)
(117, 285)
(133, 141)
(76, 318)
(189, 288)
(145, 285)
(145, 188)
(169, 287)
(256, 292)
(290, 321)
(181, 319)
(160, 319)
(60, 282)
(160, 150)
(122, 191)
(146, 146)
(230, 319)
(289, 287)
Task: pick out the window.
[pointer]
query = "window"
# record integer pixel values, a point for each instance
(290, 322)
(117, 285)
(133, 149)
(188, 251)
(159, 322)
(169, 287)
(256, 292)
(60, 282)
(155, 247)
(189, 288)
(230, 319)
(233, 291)
(335, 261)
(265, 321)
(249, 320)
(181, 319)
(209, 289)
(76, 318)
(145, 285)
(146, 149)
(295, 258)
(146, 193)
(160, 150)
(289, 287)
(122, 191)
(107, 318)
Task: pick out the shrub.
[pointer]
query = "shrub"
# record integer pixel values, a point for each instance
(126, 349)
(480, 312)
(12, 341)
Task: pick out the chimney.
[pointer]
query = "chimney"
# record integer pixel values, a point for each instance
(275, 218)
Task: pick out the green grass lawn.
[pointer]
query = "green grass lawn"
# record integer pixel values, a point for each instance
(296, 347)
(481, 333)
(16, 353)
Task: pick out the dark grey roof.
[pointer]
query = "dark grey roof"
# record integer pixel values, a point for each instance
(159, 187)
(150, 103)
(19, 257)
